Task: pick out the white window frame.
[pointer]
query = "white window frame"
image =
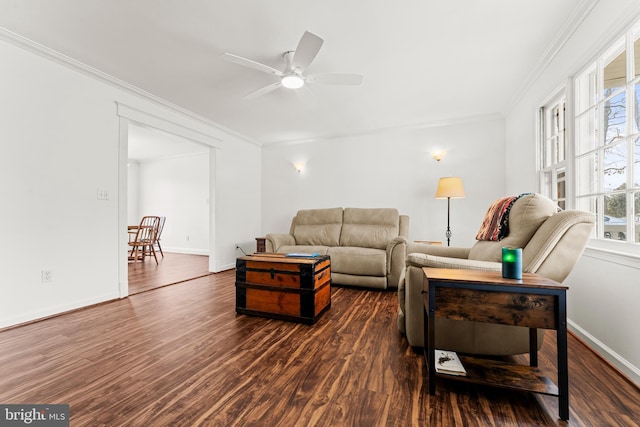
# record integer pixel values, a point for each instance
(588, 200)
(549, 166)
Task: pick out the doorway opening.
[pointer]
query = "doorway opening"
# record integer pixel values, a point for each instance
(168, 176)
(174, 177)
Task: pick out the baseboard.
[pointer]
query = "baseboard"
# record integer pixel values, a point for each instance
(225, 267)
(36, 316)
(188, 251)
(631, 372)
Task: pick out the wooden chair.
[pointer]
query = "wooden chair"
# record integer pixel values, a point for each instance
(145, 238)
(161, 227)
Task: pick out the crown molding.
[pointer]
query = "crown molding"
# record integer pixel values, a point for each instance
(66, 61)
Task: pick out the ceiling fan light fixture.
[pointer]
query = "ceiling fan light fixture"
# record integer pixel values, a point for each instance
(292, 81)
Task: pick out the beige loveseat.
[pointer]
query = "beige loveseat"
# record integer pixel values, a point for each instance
(367, 246)
(552, 243)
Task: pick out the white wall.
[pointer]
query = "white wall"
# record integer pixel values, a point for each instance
(238, 203)
(391, 168)
(603, 297)
(60, 144)
(178, 188)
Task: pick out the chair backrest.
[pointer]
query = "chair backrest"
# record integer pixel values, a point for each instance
(525, 216)
(148, 230)
(558, 244)
(161, 227)
(551, 241)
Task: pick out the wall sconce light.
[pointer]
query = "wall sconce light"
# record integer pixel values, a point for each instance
(438, 154)
(299, 166)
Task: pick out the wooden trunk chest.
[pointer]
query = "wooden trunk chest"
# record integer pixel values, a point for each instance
(280, 287)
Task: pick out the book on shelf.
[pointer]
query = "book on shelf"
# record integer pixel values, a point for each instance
(448, 362)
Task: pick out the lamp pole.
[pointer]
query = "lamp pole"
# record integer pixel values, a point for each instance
(449, 187)
(448, 233)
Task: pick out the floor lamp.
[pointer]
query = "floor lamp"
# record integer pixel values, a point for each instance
(449, 187)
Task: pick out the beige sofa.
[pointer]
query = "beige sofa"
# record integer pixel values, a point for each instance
(552, 243)
(367, 246)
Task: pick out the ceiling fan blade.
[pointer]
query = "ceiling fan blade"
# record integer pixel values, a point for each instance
(262, 90)
(308, 47)
(336, 79)
(251, 64)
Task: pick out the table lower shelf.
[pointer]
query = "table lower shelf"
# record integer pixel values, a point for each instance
(504, 374)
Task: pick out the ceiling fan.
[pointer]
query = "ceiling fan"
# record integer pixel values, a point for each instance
(293, 76)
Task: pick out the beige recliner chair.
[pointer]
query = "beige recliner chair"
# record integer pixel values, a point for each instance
(552, 243)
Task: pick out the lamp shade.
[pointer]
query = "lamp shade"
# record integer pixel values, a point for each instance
(450, 186)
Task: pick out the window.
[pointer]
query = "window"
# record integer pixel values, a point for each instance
(553, 148)
(607, 140)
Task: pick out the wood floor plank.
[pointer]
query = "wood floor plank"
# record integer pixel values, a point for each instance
(170, 269)
(180, 356)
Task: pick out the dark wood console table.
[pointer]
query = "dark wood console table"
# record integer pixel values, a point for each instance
(484, 296)
(261, 244)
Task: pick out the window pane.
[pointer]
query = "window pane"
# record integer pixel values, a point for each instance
(585, 91)
(561, 190)
(636, 54)
(636, 203)
(636, 162)
(615, 117)
(546, 153)
(560, 148)
(636, 108)
(547, 185)
(615, 167)
(587, 182)
(553, 145)
(555, 124)
(587, 131)
(615, 214)
(615, 74)
(636, 211)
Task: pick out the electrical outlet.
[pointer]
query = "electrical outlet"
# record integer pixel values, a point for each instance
(46, 276)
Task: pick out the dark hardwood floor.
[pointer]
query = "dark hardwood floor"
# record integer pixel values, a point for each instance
(171, 269)
(180, 356)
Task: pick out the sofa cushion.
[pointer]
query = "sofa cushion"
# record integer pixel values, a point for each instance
(369, 228)
(358, 261)
(317, 227)
(525, 217)
(304, 249)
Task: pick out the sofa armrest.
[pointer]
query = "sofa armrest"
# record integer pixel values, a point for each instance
(275, 241)
(446, 251)
(426, 260)
(396, 254)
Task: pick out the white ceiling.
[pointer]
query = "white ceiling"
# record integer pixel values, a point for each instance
(423, 61)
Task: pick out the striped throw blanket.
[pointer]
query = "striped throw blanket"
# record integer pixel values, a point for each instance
(495, 225)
